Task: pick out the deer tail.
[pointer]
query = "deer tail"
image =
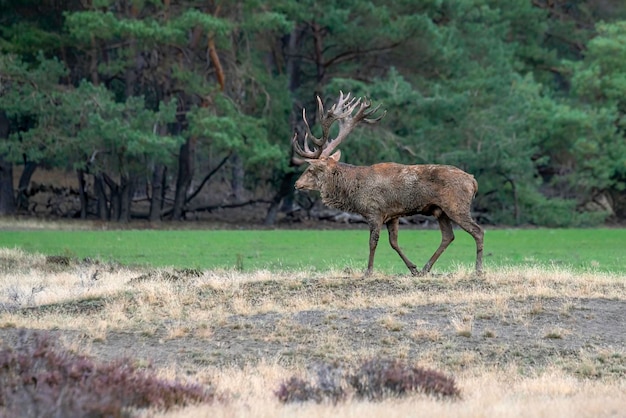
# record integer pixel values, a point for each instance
(475, 187)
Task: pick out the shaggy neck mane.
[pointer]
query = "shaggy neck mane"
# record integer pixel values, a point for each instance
(340, 185)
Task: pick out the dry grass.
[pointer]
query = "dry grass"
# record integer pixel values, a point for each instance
(246, 332)
(486, 393)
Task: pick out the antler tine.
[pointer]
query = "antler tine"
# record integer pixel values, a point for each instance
(364, 113)
(340, 102)
(305, 151)
(342, 111)
(344, 106)
(320, 109)
(325, 120)
(308, 134)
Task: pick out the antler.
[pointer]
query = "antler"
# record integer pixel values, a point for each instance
(342, 112)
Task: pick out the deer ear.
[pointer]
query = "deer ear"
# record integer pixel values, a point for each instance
(335, 156)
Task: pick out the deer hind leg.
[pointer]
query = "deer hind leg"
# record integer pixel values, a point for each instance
(392, 227)
(466, 222)
(374, 235)
(447, 236)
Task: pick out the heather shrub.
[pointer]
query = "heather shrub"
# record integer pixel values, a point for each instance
(38, 378)
(373, 379)
(327, 386)
(297, 389)
(379, 378)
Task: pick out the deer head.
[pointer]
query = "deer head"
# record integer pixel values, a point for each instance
(341, 112)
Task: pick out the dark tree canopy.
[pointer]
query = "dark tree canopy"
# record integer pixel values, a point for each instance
(163, 109)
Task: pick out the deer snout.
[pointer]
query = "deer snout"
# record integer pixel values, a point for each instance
(299, 185)
(304, 183)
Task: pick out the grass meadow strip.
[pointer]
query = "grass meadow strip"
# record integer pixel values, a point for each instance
(598, 249)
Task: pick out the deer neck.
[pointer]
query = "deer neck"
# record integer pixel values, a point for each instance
(341, 184)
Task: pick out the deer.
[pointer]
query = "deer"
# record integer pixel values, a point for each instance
(383, 193)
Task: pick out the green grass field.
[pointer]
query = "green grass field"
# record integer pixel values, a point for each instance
(599, 249)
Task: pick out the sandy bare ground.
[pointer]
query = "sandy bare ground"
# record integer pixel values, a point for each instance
(225, 327)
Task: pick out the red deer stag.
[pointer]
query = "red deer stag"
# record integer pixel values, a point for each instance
(384, 192)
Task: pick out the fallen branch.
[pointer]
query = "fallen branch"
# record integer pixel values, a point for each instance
(228, 205)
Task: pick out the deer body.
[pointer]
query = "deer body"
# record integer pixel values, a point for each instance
(388, 190)
(384, 192)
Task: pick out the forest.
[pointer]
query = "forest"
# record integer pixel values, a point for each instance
(166, 109)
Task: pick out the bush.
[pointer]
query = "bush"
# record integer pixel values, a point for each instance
(328, 386)
(380, 378)
(40, 379)
(374, 379)
(557, 213)
(298, 390)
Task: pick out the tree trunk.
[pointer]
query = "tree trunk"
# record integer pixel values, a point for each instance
(285, 189)
(515, 204)
(185, 174)
(22, 185)
(238, 176)
(7, 200)
(93, 62)
(516, 211)
(158, 192)
(289, 178)
(82, 194)
(104, 213)
(125, 199)
(115, 198)
(159, 177)
(115, 203)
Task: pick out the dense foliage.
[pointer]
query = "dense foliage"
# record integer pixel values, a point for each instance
(146, 100)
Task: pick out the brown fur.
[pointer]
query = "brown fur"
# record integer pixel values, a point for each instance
(382, 193)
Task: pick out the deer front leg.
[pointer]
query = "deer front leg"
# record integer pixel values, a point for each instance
(374, 235)
(392, 227)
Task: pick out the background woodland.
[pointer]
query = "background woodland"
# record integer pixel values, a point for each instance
(163, 109)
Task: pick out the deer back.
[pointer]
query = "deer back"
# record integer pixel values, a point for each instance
(390, 189)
